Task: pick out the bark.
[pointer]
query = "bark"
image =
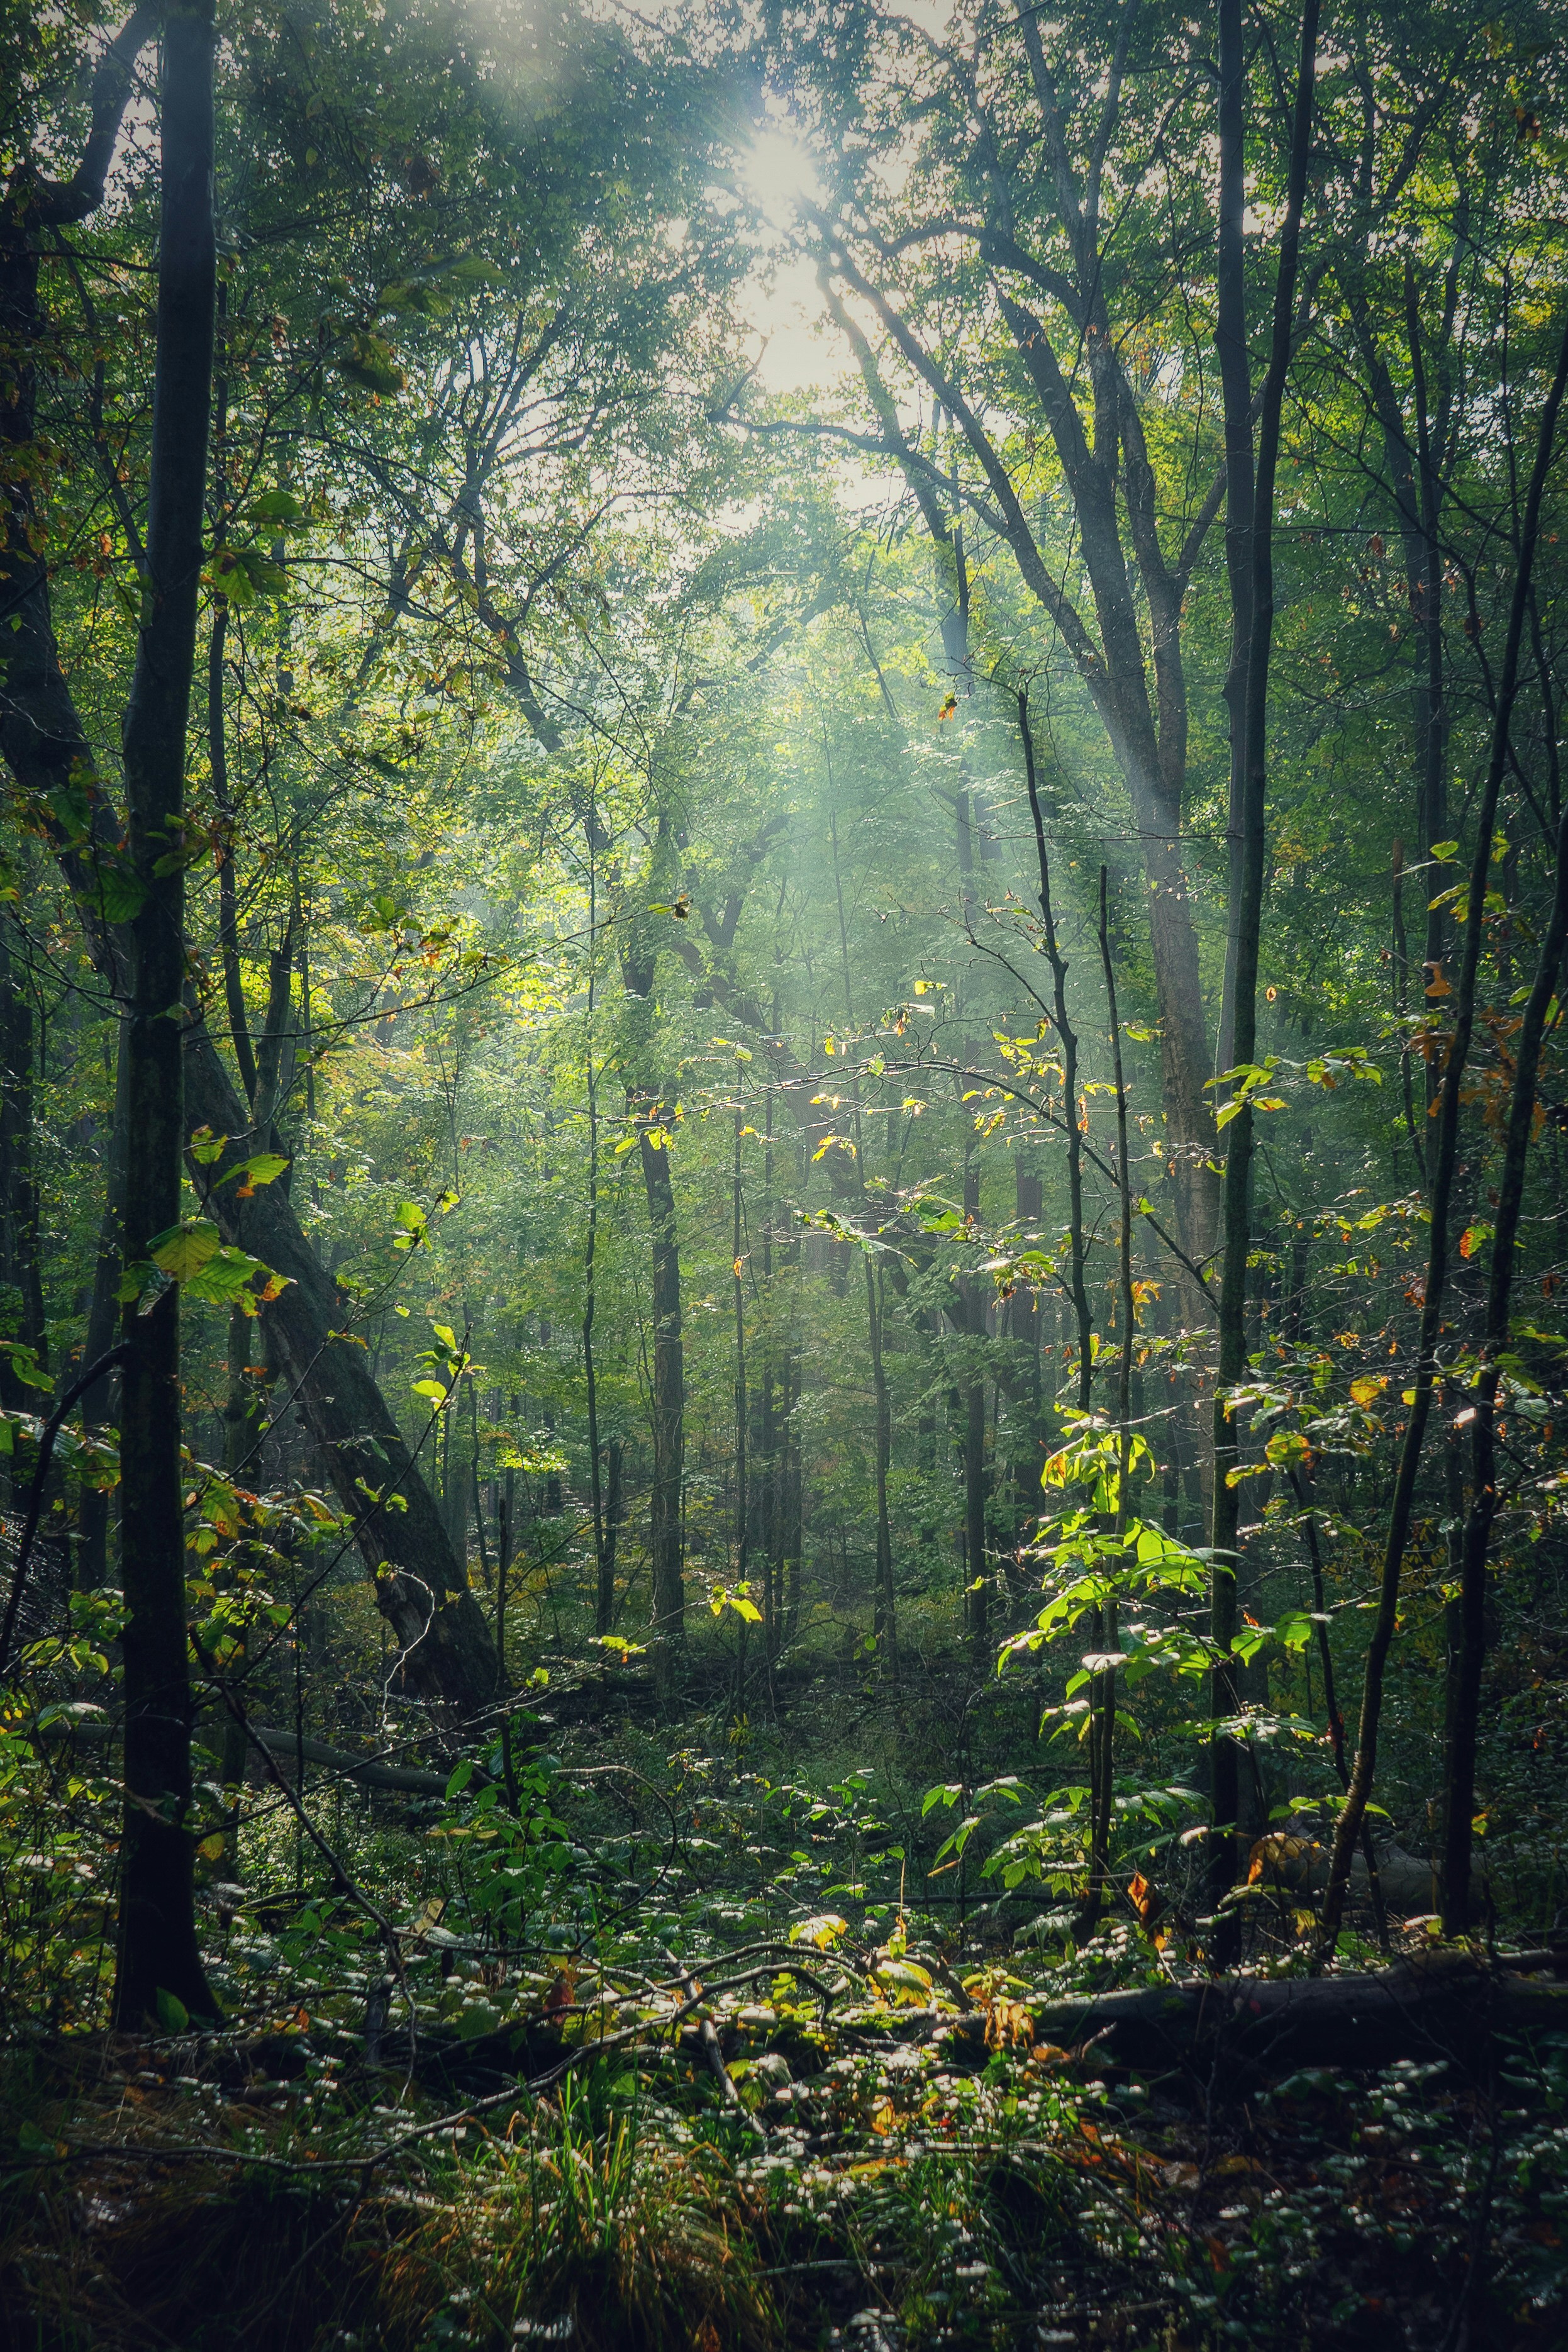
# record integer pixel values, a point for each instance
(1444, 1159)
(157, 1949)
(1246, 923)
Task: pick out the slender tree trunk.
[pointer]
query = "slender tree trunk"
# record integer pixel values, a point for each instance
(767, 1423)
(1067, 1041)
(242, 1416)
(669, 1409)
(1444, 1159)
(603, 1560)
(1459, 1763)
(742, 1400)
(974, 1440)
(1105, 1694)
(157, 1941)
(1028, 1320)
(614, 1511)
(21, 1277)
(885, 1611)
(1246, 924)
(1235, 389)
(1432, 716)
(98, 1405)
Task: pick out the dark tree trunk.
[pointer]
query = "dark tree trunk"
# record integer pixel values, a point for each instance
(98, 1406)
(1246, 922)
(157, 1938)
(978, 1603)
(1236, 387)
(21, 1275)
(614, 1510)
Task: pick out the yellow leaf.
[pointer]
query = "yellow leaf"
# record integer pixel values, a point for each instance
(1370, 1386)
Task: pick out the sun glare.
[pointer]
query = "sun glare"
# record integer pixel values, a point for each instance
(780, 174)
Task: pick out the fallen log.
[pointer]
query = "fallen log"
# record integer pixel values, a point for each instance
(370, 1771)
(402, 1779)
(1444, 2004)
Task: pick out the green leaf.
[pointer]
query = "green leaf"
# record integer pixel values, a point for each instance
(172, 2014)
(265, 578)
(277, 506)
(366, 360)
(229, 1278)
(431, 1389)
(120, 893)
(185, 1248)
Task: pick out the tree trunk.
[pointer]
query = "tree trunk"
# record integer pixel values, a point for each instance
(99, 1410)
(21, 1278)
(669, 1409)
(1246, 921)
(976, 1608)
(157, 1949)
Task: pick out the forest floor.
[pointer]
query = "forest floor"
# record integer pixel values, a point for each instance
(685, 2069)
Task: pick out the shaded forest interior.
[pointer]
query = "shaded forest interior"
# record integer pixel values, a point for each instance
(783, 881)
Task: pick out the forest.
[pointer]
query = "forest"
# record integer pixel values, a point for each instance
(783, 1333)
